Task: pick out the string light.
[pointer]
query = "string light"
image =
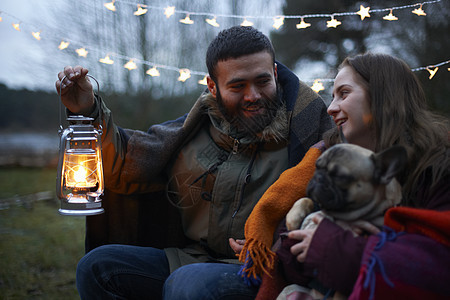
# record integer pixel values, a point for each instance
(278, 22)
(212, 22)
(187, 20)
(106, 60)
(317, 86)
(36, 35)
(185, 74)
(168, 11)
(419, 11)
(130, 65)
(110, 5)
(246, 23)
(63, 45)
(302, 24)
(81, 52)
(333, 22)
(432, 72)
(16, 26)
(203, 81)
(153, 72)
(390, 17)
(140, 11)
(363, 12)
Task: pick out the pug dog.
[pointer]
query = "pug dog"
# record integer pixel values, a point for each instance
(351, 183)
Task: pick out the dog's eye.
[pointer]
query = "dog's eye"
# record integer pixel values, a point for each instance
(343, 179)
(340, 178)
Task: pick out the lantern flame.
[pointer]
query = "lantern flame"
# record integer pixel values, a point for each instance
(80, 175)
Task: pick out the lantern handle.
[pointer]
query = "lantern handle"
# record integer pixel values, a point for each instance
(60, 101)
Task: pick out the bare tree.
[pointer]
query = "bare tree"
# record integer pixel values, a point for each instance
(151, 39)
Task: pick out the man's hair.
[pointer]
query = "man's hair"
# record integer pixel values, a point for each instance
(400, 115)
(235, 42)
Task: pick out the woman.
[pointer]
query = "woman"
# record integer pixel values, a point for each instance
(378, 102)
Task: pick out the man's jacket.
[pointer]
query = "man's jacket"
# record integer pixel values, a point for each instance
(135, 165)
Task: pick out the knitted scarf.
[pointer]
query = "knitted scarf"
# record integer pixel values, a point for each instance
(257, 256)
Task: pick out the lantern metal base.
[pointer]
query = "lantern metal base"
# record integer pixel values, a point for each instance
(80, 206)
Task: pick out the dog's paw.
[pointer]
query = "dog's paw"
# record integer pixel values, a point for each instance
(298, 212)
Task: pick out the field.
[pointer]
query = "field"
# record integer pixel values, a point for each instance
(39, 249)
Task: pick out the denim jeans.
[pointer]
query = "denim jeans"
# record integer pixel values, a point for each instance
(131, 272)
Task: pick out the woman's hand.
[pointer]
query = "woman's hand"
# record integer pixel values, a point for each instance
(304, 236)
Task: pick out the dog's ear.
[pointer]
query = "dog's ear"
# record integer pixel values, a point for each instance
(389, 163)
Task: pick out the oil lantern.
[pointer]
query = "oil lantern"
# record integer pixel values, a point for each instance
(79, 182)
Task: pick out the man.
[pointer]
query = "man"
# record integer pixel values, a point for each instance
(255, 120)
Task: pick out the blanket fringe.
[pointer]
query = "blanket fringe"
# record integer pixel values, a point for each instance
(257, 259)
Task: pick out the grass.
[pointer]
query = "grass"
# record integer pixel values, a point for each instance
(39, 248)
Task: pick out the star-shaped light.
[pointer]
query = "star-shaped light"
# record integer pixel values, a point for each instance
(187, 20)
(246, 23)
(419, 11)
(81, 52)
(302, 24)
(278, 22)
(130, 65)
(153, 72)
(203, 81)
(110, 5)
(170, 10)
(184, 75)
(212, 22)
(333, 22)
(317, 86)
(390, 17)
(140, 11)
(363, 12)
(432, 72)
(37, 35)
(1, 19)
(63, 45)
(16, 26)
(106, 60)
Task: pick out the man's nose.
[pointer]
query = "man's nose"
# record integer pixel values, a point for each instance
(252, 94)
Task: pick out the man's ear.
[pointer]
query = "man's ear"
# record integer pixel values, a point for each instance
(211, 86)
(389, 163)
(275, 71)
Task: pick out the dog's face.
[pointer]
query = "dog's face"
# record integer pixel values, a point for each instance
(347, 176)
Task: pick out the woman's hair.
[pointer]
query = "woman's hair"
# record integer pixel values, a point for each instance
(400, 116)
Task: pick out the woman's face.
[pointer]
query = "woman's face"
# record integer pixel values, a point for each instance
(350, 108)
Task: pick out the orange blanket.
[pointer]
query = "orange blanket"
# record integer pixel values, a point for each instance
(257, 255)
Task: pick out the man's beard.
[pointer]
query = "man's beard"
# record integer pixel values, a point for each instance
(251, 126)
